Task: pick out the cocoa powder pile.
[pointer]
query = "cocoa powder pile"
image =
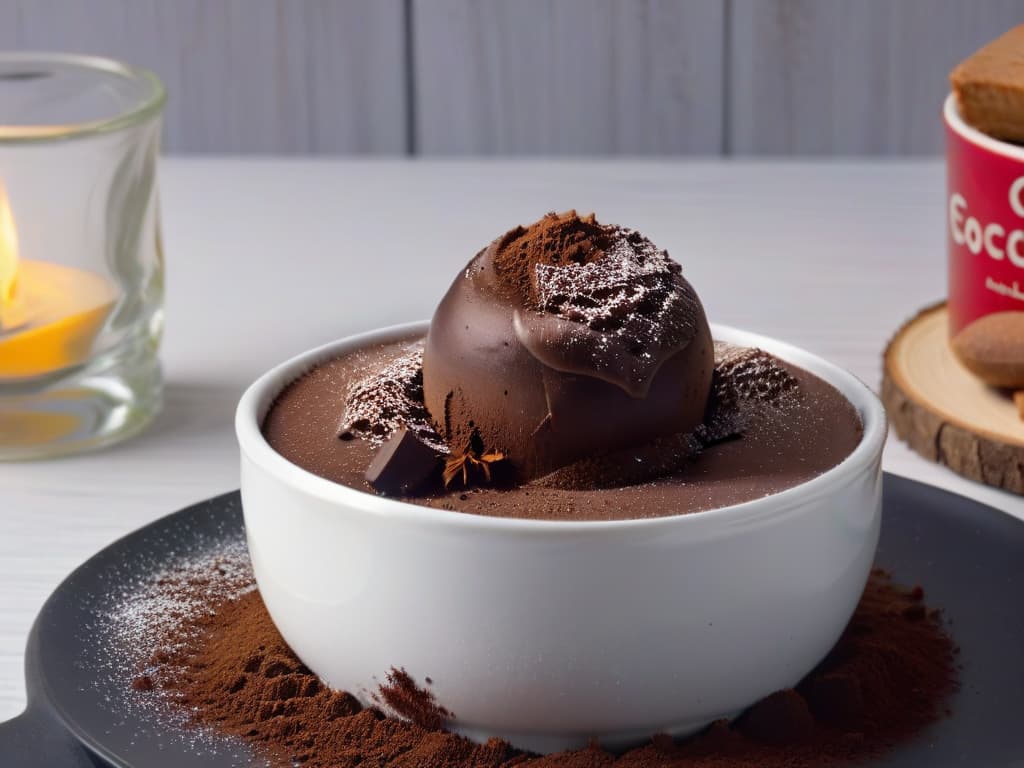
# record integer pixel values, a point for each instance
(555, 240)
(227, 669)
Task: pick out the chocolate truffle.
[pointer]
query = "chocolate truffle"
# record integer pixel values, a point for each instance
(563, 340)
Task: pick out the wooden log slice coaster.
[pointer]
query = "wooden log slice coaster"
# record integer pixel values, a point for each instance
(946, 414)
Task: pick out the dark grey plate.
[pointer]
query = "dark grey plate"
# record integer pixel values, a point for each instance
(969, 557)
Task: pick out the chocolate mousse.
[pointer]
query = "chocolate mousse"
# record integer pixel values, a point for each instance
(568, 373)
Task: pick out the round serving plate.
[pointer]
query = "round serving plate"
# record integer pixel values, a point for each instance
(81, 714)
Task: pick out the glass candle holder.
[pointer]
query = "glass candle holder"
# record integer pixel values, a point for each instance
(81, 261)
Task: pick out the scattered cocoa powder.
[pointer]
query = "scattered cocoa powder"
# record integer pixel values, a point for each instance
(405, 698)
(142, 682)
(226, 667)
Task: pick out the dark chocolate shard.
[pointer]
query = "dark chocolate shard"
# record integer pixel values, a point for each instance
(404, 465)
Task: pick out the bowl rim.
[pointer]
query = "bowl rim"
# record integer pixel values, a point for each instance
(258, 397)
(970, 134)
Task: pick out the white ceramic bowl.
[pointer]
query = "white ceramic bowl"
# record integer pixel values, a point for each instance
(551, 633)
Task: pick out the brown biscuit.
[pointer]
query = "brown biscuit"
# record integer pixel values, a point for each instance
(992, 348)
(989, 87)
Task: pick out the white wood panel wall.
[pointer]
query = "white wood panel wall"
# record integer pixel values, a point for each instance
(270, 76)
(568, 76)
(534, 76)
(850, 76)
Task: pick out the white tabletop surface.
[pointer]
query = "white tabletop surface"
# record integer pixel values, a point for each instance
(266, 258)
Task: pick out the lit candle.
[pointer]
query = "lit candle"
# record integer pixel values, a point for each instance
(49, 314)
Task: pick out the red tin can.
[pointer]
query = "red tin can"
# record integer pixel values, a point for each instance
(985, 222)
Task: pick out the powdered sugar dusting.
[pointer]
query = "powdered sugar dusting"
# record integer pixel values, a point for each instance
(137, 628)
(388, 398)
(153, 619)
(633, 291)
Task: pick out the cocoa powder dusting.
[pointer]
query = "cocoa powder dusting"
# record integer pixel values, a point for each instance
(405, 698)
(890, 676)
(556, 240)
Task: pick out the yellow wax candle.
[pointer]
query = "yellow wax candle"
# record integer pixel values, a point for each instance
(50, 314)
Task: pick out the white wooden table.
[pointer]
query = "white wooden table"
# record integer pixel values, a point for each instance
(266, 258)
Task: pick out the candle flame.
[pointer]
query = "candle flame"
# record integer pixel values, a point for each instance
(8, 250)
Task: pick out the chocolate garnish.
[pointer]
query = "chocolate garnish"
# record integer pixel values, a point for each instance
(751, 375)
(404, 464)
(746, 381)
